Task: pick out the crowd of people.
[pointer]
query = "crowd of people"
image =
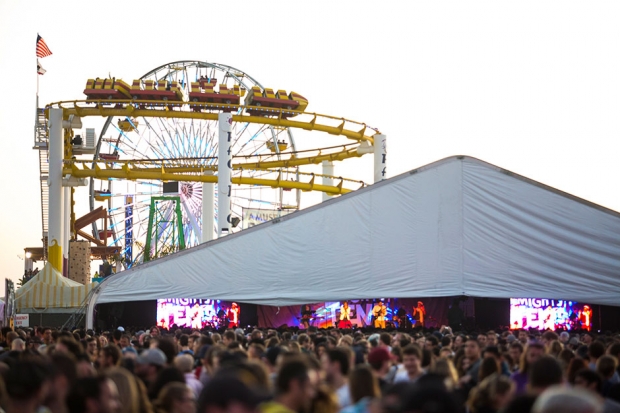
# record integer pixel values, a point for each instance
(327, 371)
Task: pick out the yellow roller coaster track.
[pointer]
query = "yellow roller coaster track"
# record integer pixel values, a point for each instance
(196, 174)
(133, 169)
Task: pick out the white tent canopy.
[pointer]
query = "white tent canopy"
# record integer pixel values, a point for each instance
(51, 292)
(458, 226)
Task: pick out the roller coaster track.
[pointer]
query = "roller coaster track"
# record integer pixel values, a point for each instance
(135, 169)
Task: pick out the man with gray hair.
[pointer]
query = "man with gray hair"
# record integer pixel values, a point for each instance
(564, 337)
(185, 363)
(563, 399)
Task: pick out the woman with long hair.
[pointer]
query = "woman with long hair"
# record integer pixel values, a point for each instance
(491, 395)
(129, 391)
(533, 351)
(364, 388)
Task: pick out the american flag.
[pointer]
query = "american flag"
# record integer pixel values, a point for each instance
(42, 49)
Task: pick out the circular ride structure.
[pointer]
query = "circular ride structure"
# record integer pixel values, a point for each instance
(157, 152)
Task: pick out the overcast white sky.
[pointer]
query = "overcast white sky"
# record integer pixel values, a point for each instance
(531, 86)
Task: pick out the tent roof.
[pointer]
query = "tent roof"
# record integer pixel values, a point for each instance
(459, 226)
(49, 289)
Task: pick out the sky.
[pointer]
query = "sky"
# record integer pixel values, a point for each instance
(530, 86)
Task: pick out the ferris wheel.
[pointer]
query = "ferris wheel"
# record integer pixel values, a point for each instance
(175, 143)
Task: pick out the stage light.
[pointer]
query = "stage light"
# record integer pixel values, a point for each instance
(28, 255)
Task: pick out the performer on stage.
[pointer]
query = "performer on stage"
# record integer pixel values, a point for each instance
(345, 316)
(419, 314)
(379, 311)
(233, 316)
(306, 315)
(196, 318)
(400, 317)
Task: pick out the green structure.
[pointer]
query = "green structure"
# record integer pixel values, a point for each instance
(165, 229)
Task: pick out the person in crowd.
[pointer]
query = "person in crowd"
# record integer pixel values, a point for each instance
(365, 390)
(596, 350)
(523, 337)
(607, 366)
(94, 395)
(544, 373)
(132, 396)
(175, 397)
(482, 340)
(563, 399)
(412, 362)
(336, 363)
(167, 375)
(91, 348)
(379, 360)
(185, 362)
(295, 388)
(533, 352)
(149, 364)
(184, 345)
(488, 367)
(109, 356)
(474, 359)
(27, 385)
(515, 350)
(492, 394)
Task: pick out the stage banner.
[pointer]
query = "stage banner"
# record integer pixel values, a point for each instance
(327, 314)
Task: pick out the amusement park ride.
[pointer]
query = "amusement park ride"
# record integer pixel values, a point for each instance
(190, 151)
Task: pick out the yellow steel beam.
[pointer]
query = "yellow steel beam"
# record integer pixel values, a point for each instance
(156, 166)
(161, 175)
(166, 110)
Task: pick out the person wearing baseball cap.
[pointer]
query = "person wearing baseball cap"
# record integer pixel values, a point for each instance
(149, 363)
(380, 361)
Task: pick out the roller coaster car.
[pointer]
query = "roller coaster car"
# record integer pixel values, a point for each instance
(127, 125)
(203, 91)
(102, 195)
(109, 156)
(99, 89)
(105, 235)
(280, 100)
(162, 90)
(282, 146)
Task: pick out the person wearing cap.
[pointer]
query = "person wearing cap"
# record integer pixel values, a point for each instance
(419, 314)
(149, 363)
(379, 312)
(380, 362)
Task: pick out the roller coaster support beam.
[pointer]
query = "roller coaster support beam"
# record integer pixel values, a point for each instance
(56, 191)
(224, 173)
(380, 149)
(66, 233)
(208, 214)
(328, 169)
